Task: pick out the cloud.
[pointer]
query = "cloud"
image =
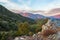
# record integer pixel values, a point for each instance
(3, 0)
(52, 5)
(25, 5)
(28, 2)
(11, 5)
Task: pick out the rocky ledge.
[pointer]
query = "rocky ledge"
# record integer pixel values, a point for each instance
(49, 32)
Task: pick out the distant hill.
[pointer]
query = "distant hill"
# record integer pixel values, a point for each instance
(32, 16)
(55, 20)
(57, 16)
(8, 19)
(38, 13)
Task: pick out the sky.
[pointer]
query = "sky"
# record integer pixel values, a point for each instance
(44, 5)
(31, 4)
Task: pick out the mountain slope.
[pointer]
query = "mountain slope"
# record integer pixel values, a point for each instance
(9, 19)
(57, 16)
(32, 16)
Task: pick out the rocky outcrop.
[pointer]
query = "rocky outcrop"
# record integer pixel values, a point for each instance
(49, 25)
(49, 32)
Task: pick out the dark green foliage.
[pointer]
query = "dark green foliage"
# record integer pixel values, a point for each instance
(23, 28)
(29, 29)
(9, 19)
(7, 35)
(16, 25)
(41, 21)
(39, 24)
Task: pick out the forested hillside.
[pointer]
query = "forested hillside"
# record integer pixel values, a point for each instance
(8, 19)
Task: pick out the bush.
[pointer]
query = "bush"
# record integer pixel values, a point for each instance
(31, 33)
(6, 35)
(48, 32)
(23, 29)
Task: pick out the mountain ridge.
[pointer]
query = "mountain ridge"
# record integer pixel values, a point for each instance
(9, 20)
(52, 13)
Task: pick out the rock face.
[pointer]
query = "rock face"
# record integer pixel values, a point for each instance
(49, 25)
(49, 32)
